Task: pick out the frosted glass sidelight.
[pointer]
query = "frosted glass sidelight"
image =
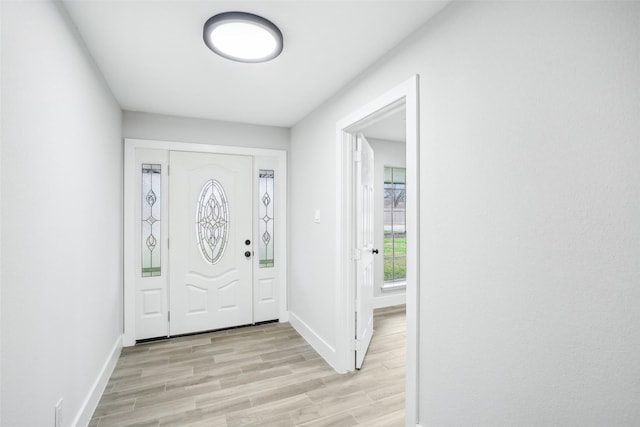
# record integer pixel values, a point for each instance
(151, 191)
(212, 221)
(266, 218)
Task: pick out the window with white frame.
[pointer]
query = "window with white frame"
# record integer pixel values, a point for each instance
(395, 230)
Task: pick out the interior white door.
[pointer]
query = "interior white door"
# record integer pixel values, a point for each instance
(210, 248)
(364, 248)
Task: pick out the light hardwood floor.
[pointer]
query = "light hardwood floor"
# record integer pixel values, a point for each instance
(264, 375)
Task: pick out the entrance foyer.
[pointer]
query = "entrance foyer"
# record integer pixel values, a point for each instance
(205, 238)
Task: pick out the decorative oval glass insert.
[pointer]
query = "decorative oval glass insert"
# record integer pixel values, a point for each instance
(212, 221)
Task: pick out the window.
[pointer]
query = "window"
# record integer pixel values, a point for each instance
(212, 221)
(395, 230)
(266, 218)
(150, 220)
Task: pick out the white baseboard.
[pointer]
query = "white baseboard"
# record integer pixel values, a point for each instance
(327, 352)
(389, 300)
(91, 402)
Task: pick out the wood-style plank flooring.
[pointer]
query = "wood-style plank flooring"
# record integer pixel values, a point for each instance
(264, 375)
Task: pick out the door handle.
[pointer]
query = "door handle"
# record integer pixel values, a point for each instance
(374, 251)
(247, 254)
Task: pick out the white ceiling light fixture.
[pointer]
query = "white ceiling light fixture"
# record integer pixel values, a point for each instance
(243, 37)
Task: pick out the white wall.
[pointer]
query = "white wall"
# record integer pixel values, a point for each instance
(530, 199)
(1, 127)
(203, 131)
(61, 219)
(386, 153)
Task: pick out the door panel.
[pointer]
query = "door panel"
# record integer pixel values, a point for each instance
(210, 218)
(269, 265)
(148, 254)
(151, 302)
(266, 291)
(364, 246)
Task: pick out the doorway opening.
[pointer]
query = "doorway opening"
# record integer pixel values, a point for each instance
(400, 103)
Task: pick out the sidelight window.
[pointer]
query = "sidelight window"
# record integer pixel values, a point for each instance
(151, 220)
(266, 218)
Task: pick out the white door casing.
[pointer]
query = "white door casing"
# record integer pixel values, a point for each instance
(406, 93)
(364, 247)
(210, 218)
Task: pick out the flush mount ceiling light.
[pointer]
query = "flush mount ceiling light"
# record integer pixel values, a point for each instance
(243, 37)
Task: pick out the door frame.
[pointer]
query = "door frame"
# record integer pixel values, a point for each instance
(407, 94)
(130, 250)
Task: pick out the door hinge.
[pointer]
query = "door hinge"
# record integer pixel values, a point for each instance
(168, 173)
(357, 156)
(167, 243)
(356, 344)
(168, 316)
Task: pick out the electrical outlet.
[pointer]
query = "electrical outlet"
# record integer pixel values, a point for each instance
(58, 414)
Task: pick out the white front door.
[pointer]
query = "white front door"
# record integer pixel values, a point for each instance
(364, 248)
(210, 248)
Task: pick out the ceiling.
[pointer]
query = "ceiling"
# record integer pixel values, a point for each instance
(154, 59)
(392, 128)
